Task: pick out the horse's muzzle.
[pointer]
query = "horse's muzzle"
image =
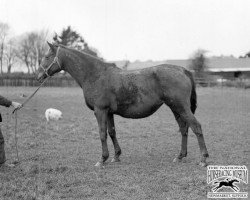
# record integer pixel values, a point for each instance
(40, 77)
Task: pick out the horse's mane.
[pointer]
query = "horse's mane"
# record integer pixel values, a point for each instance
(101, 60)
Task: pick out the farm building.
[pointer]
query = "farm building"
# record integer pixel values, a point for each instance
(224, 67)
(230, 68)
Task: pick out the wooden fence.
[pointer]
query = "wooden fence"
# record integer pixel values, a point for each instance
(67, 81)
(31, 82)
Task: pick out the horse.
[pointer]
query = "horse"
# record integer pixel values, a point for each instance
(109, 90)
(226, 183)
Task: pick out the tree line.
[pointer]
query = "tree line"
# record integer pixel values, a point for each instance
(29, 48)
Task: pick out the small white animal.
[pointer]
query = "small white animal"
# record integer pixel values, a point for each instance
(53, 114)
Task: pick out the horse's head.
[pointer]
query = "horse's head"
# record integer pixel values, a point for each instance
(50, 63)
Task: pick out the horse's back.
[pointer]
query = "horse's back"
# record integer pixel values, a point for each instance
(165, 79)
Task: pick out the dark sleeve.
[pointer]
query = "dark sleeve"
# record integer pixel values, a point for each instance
(5, 102)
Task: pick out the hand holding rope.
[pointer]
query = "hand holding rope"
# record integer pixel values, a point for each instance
(15, 112)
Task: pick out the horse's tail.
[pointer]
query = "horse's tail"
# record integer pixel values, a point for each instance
(193, 98)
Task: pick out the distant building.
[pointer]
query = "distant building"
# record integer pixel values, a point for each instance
(229, 68)
(225, 67)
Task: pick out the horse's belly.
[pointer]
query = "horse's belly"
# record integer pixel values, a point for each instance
(139, 110)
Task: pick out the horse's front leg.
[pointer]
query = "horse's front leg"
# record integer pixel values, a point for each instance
(237, 189)
(112, 134)
(101, 116)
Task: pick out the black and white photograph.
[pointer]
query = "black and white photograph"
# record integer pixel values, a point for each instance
(124, 100)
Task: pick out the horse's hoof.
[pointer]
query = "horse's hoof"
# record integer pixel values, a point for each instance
(203, 164)
(115, 160)
(176, 160)
(99, 164)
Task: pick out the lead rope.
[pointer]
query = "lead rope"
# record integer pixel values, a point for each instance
(17, 156)
(15, 112)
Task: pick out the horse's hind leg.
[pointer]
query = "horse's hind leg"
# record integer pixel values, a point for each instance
(184, 133)
(112, 134)
(215, 189)
(193, 123)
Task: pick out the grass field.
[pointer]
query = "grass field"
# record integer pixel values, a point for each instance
(57, 159)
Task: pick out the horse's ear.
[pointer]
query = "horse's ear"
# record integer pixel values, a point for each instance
(51, 46)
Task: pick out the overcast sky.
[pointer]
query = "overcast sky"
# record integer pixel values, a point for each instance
(140, 29)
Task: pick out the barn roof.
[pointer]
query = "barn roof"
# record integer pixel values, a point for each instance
(229, 64)
(219, 64)
(215, 64)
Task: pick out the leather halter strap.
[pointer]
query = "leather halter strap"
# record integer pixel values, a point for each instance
(55, 61)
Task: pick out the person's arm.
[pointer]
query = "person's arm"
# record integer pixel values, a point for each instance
(7, 103)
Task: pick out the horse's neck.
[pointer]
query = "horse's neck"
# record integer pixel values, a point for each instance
(80, 67)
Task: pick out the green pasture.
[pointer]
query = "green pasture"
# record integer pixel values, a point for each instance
(57, 159)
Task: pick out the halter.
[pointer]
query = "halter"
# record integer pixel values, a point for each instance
(55, 61)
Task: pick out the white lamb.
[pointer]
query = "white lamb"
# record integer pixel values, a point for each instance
(53, 114)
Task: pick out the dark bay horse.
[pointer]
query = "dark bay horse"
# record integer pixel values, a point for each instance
(108, 90)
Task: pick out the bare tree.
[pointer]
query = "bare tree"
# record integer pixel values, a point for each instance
(32, 47)
(199, 62)
(4, 29)
(10, 54)
(32, 44)
(24, 51)
(41, 46)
